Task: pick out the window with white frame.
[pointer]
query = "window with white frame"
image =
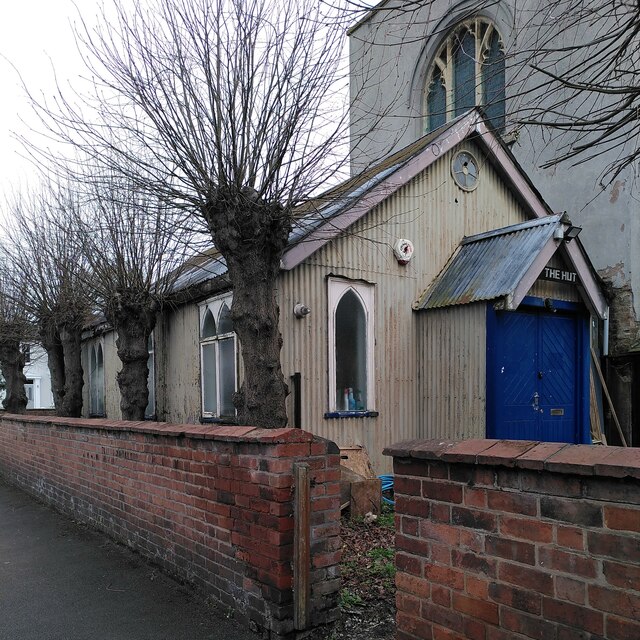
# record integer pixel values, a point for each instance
(217, 358)
(150, 411)
(468, 70)
(96, 379)
(351, 345)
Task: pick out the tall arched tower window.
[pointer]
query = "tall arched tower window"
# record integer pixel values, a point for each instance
(468, 70)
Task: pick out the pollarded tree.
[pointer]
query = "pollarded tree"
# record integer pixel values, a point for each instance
(42, 251)
(15, 330)
(225, 110)
(134, 255)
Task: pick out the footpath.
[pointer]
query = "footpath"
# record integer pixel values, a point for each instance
(62, 581)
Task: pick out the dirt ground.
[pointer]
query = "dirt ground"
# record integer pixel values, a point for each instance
(367, 597)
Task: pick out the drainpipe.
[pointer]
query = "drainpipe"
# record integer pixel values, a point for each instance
(605, 337)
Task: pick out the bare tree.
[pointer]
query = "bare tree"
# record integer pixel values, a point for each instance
(43, 253)
(15, 330)
(134, 255)
(225, 110)
(579, 76)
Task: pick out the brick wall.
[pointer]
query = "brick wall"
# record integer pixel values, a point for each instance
(212, 505)
(502, 540)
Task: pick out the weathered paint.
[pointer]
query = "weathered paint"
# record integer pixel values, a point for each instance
(452, 372)
(414, 396)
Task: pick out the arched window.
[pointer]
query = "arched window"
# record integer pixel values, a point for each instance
(217, 358)
(150, 411)
(96, 380)
(468, 70)
(350, 346)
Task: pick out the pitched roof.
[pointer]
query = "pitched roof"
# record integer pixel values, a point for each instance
(504, 263)
(490, 265)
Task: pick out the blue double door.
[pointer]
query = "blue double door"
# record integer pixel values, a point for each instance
(535, 377)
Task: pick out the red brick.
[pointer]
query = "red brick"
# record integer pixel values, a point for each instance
(515, 598)
(573, 615)
(572, 590)
(441, 595)
(474, 519)
(415, 546)
(614, 546)
(413, 626)
(482, 565)
(622, 518)
(550, 484)
(413, 585)
(440, 532)
(408, 563)
(445, 576)
(442, 491)
(475, 497)
(476, 587)
(519, 622)
(623, 576)
(519, 503)
(620, 629)
(518, 551)
(623, 462)
(570, 537)
(412, 506)
(523, 576)
(570, 563)
(467, 450)
(526, 529)
(408, 525)
(440, 633)
(475, 608)
(577, 512)
(623, 603)
(407, 486)
(535, 457)
(443, 616)
(407, 603)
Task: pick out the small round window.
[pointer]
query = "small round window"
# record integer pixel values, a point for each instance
(464, 169)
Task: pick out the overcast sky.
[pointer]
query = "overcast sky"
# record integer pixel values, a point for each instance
(35, 36)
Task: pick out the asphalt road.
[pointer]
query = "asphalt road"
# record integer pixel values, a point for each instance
(62, 581)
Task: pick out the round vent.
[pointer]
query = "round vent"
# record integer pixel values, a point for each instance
(464, 169)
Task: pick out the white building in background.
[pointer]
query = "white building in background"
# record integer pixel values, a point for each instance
(36, 370)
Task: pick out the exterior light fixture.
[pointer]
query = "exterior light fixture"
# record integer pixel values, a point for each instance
(571, 233)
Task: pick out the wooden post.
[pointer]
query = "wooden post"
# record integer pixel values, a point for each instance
(301, 546)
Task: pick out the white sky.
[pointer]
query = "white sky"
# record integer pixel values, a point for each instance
(35, 36)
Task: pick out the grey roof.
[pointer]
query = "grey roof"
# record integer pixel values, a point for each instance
(489, 265)
(317, 213)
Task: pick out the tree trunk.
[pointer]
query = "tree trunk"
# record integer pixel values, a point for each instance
(71, 341)
(134, 322)
(12, 363)
(55, 361)
(251, 234)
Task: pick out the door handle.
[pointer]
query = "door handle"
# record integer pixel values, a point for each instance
(536, 403)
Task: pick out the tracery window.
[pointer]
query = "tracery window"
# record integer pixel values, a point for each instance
(351, 340)
(217, 357)
(468, 70)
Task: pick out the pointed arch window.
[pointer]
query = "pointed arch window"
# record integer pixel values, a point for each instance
(351, 340)
(150, 411)
(468, 70)
(96, 379)
(218, 359)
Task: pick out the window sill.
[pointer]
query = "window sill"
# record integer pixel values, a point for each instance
(351, 414)
(214, 420)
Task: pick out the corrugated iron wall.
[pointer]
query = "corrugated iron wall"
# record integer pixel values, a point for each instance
(434, 214)
(452, 372)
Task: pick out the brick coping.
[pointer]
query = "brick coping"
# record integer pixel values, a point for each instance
(580, 459)
(224, 433)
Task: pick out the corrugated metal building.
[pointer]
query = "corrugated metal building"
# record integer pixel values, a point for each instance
(411, 339)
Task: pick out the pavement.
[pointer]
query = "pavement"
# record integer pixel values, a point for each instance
(62, 581)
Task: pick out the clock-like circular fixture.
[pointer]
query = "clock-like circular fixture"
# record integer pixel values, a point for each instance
(465, 169)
